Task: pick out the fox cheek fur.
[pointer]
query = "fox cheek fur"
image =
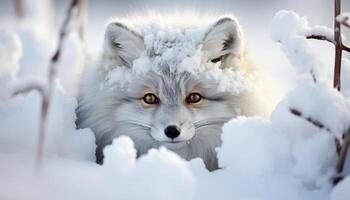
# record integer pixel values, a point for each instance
(190, 131)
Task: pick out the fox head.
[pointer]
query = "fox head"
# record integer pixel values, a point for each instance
(182, 110)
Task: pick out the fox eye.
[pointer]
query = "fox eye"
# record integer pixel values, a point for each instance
(150, 98)
(194, 98)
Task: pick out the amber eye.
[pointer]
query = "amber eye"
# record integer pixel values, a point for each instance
(150, 98)
(194, 98)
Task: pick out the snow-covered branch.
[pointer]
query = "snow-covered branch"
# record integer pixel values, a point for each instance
(319, 37)
(28, 86)
(342, 147)
(46, 91)
(309, 119)
(292, 31)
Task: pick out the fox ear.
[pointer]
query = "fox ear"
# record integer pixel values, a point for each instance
(224, 40)
(122, 45)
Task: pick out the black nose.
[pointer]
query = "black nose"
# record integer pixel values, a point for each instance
(172, 131)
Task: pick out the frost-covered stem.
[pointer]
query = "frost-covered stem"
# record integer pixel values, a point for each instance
(338, 46)
(324, 38)
(319, 37)
(343, 152)
(51, 78)
(309, 119)
(42, 128)
(346, 141)
(29, 88)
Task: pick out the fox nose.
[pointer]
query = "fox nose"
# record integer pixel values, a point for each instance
(172, 131)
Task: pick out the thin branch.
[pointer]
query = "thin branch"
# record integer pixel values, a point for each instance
(324, 38)
(343, 152)
(338, 46)
(345, 48)
(29, 88)
(46, 94)
(320, 37)
(342, 149)
(51, 78)
(309, 119)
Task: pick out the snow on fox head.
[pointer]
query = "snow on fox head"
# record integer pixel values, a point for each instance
(167, 85)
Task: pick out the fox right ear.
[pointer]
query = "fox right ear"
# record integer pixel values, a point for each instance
(224, 40)
(122, 45)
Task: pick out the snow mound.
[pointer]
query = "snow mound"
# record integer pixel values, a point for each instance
(291, 30)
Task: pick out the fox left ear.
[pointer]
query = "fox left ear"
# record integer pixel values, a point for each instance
(122, 45)
(223, 41)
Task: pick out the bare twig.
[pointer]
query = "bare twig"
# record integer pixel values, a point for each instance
(324, 38)
(338, 46)
(345, 48)
(341, 149)
(343, 152)
(309, 119)
(51, 78)
(29, 88)
(319, 37)
(47, 92)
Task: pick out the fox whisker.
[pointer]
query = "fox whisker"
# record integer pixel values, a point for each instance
(135, 122)
(204, 123)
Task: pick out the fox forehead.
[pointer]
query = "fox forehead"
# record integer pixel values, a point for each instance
(168, 84)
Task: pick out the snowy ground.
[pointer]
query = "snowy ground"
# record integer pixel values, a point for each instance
(282, 157)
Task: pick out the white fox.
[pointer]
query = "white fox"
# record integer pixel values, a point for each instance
(168, 85)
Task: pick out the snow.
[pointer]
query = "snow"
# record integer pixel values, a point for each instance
(344, 18)
(282, 157)
(341, 192)
(10, 53)
(160, 175)
(345, 71)
(290, 30)
(71, 69)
